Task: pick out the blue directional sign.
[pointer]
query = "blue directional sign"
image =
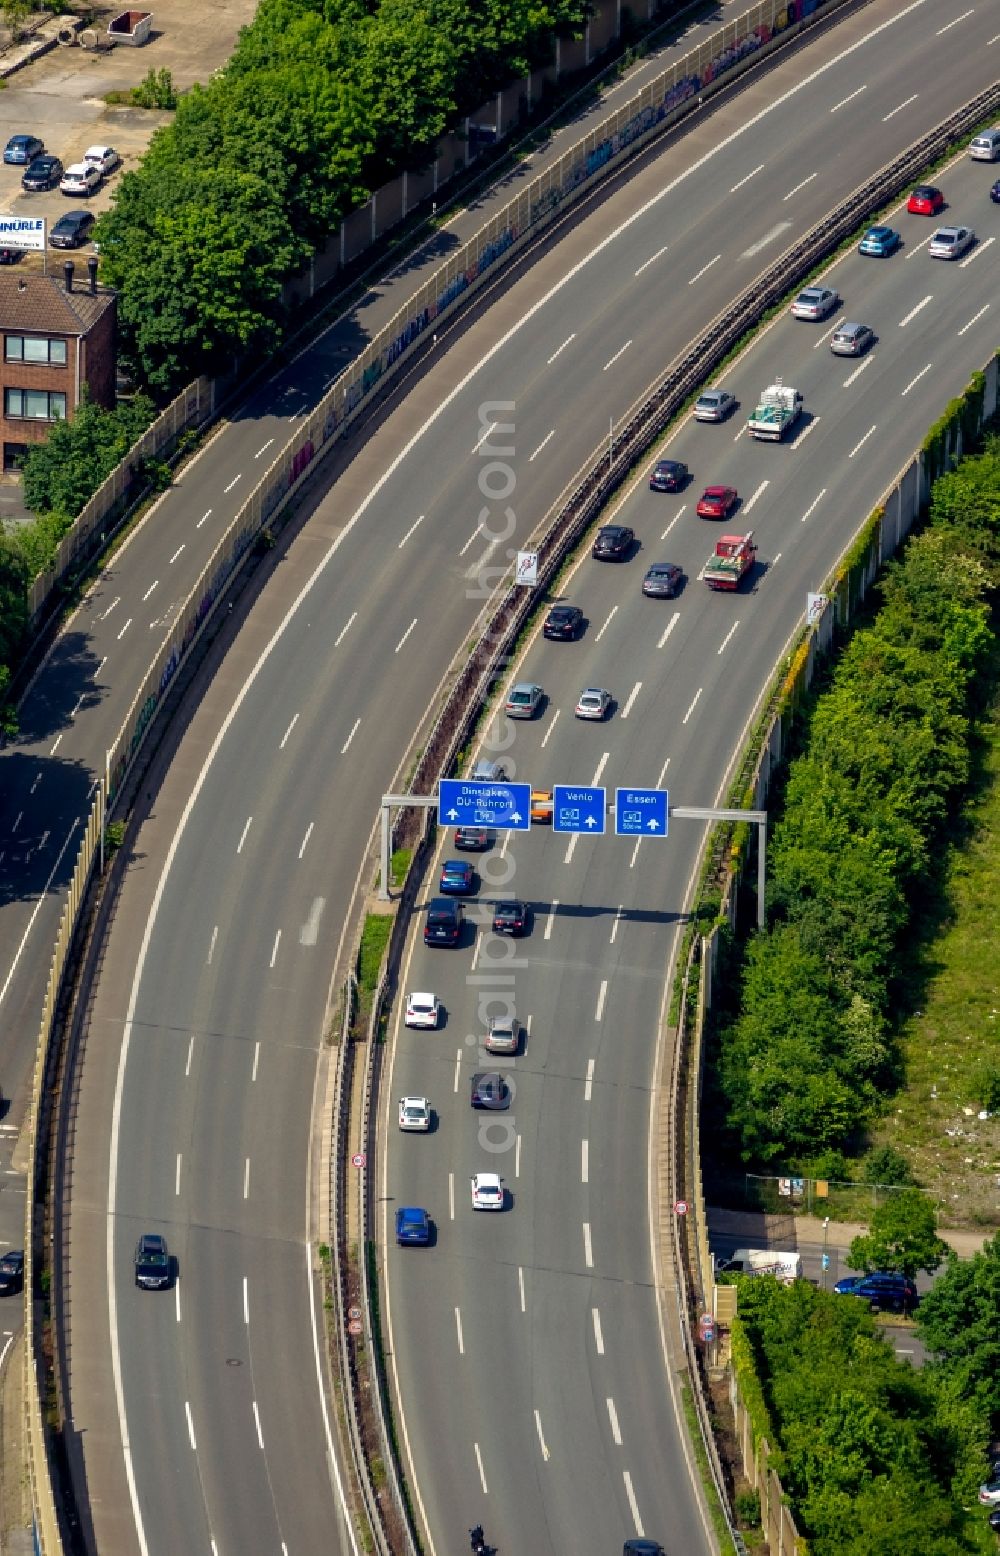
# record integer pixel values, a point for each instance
(578, 808)
(463, 803)
(641, 812)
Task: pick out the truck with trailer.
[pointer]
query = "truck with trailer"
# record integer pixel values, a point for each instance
(732, 559)
(778, 409)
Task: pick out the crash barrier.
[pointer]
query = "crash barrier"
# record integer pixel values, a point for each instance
(38, 1381)
(842, 595)
(105, 511)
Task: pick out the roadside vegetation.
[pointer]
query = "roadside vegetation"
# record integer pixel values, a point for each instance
(810, 1053)
(875, 1457)
(322, 102)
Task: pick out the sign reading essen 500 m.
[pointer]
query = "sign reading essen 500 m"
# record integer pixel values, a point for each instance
(464, 803)
(641, 812)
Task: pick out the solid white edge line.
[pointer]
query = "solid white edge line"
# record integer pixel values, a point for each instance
(42, 897)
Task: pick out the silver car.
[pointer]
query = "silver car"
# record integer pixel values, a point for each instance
(504, 1035)
(594, 703)
(815, 302)
(951, 242)
(523, 700)
(714, 405)
(851, 340)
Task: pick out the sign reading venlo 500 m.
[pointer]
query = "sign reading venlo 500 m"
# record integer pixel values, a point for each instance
(22, 232)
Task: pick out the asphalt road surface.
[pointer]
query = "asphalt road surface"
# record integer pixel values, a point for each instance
(209, 1130)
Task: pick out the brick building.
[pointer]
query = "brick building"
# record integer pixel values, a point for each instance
(57, 337)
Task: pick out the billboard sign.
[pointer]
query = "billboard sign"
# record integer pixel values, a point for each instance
(22, 232)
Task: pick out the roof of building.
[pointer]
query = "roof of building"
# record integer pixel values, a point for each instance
(42, 305)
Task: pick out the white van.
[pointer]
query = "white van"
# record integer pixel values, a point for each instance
(785, 1266)
(985, 147)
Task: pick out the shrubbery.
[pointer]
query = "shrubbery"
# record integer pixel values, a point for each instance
(884, 758)
(322, 101)
(875, 1457)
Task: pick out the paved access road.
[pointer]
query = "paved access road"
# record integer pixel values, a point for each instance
(527, 1345)
(208, 1130)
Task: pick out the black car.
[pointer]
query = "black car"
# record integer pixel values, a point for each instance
(994, 1519)
(475, 838)
(669, 475)
(663, 581)
(11, 1272)
(22, 149)
(10, 256)
(44, 173)
(642, 1548)
(72, 229)
(153, 1266)
(563, 622)
(613, 542)
(995, 193)
(490, 1090)
(510, 918)
(443, 925)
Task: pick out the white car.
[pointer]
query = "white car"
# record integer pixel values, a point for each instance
(104, 158)
(422, 1010)
(951, 242)
(815, 302)
(487, 1191)
(414, 1113)
(82, 178)
(593, 704)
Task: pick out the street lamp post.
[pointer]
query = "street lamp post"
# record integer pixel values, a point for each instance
(826, 1256)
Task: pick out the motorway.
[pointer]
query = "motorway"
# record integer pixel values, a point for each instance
(210, 1123)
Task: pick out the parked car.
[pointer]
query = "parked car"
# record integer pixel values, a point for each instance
(851, 340)
(662, 581)
(951, 242)
(815, 302)
(669, 475)
(886, 1290)
(510, 918)
(72, 229)
(879, 242)
(11, 1272)
(413, 1226)
(81, 178)
(925, 200)
(43, 173)
(995, 192)
(613, 542)
(22, 149)
(153, 1265)
(422, 1010)
(524, 700)
(717, 502)
(414, 1114)
(503, 1035)
(443, 925)
(490, 1091)
(714, 405)
(994, 1519)
(104, 158)
(563, 623)
(989, 1492)
(10, 256)
(594, 702)
(487, 1191)
(473, 838)
(458, 878)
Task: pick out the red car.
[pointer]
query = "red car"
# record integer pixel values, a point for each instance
(925, 201)
(717, 502)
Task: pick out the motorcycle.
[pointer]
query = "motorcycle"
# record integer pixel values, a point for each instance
(477, 1541)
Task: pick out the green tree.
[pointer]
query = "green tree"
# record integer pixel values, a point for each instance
(902, 1236)
(959, 1320)
(64, 471)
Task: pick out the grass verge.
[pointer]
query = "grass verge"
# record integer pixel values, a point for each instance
(718, 1517)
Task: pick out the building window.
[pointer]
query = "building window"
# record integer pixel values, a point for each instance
(13, 456)
(32, 348)
(34, 405)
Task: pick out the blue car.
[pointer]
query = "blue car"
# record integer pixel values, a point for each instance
(458, 878)
(879, 242)
(849, 1285)
(413, 1225)
(22, 149)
